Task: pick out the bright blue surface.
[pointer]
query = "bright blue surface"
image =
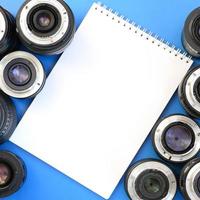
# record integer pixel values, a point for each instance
(165, 18)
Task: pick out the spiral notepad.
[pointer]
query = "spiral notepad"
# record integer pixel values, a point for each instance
(101, 100)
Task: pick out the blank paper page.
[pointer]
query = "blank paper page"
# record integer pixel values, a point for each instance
(101, 100)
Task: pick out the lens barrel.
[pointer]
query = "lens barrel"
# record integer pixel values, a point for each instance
(189, 92)
(8, 36)
(8, 117)
(150, 180)
(12, 173)
(21, 75)
(45, 26)
(190, 180)
(176, 138)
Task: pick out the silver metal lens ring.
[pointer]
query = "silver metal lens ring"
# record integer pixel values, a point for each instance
(21, 75)
(176, 138)
(45, 26)
(189, 92)
(190, 180)
(150, 179)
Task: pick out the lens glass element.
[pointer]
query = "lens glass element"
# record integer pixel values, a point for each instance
(44, 19)
(152, 185)
(5, 174)
(19, 74)
(178, 138)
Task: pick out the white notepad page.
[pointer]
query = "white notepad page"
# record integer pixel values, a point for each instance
(101, 100)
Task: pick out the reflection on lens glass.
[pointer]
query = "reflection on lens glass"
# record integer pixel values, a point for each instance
(152, 185)
(44, 20)
(4, 174)
(19, 74)
(178, 138)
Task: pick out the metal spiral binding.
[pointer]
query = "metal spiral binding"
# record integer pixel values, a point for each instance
(154, 38)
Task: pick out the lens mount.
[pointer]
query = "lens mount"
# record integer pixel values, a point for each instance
(21, 75)
(184, 148)
(12, 173)
(8, 37)
(143, 178)
(191, 33)
(189, 92)
(8, 117)
(56, 30)
(189, 180)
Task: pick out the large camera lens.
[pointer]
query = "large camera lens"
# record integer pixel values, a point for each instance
(45, 26)
(176, 138)
(150, 180)
(12, 173)
(21, 75)
(8, 37)
(189, 92)
(190, 180)
(8, 117)
(191, 33)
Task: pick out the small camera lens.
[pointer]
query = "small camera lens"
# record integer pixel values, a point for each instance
(150, 180)
(190, 180)
(176, 138)
(8, 36)
(45, 27)
(12, 173)
(191, 33)
(8, 117)
(189, 92)
(21, 75)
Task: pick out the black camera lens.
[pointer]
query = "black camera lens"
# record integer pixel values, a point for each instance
(8, 117)
(21, 75)
(191, 33)
(176, 138)
(189, 92)
(150, 180)
(45, 27)
(12, 173)
(190, 180)
(8, 36)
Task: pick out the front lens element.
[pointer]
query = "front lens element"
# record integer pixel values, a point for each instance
(44, 19)
(152, 185)
(19, 74)
(5, 174)
(178, 138)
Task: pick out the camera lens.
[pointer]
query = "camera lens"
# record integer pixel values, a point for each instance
(176, 138)
(8, 117)
(191, 33)
(8, 37)
(12, 173)
(189, 92)
(21, 75)
(190, 180)
(150, 180)
(45, 27)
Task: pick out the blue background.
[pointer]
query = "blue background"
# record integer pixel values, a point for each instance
(166, 18)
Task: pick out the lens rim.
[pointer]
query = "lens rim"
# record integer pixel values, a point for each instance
(188, 94)
(187, 177)
(164, 138)
(18, 173)
(38, 76)
(148, 164)
(162, 151)
(46, 45)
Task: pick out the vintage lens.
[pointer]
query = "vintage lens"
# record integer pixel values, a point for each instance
(21, 75)
(12, 173)
(45, 26)
(176, 138)
(8, 117)
(8, 37)
(190, 180)
(189, 92)
(191, 33)
(150, 180)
